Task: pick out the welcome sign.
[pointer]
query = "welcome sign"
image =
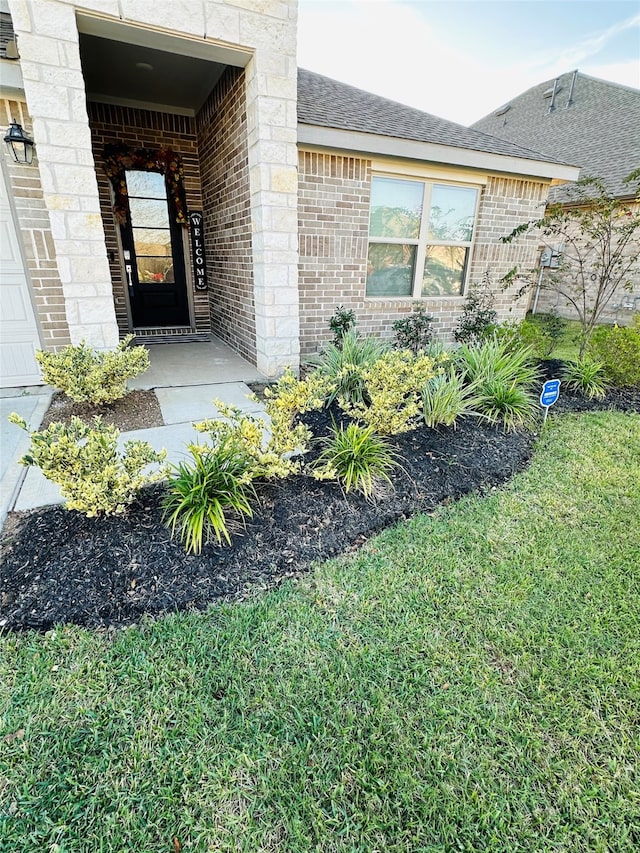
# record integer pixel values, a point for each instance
(196, 220)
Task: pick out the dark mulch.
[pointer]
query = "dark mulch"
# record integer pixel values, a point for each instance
(622, 399)
(62, 567)
(138, 410)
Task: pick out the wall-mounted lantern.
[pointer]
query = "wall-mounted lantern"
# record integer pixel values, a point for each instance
(19, 144)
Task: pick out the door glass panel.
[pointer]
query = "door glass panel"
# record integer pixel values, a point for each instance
(396, 208)
(155, 270)
(390, 269)
(452, 213)
(444, 270)
(152, 241)
(145, 184)
(158, 292)
(149, 213)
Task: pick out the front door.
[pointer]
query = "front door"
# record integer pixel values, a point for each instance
(153, 254)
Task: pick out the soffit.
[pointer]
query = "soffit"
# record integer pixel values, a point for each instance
(116, 71)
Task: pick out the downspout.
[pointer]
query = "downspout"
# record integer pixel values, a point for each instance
(537, 296)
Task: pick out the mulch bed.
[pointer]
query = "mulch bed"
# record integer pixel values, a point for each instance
(138, 410)
(61, 567)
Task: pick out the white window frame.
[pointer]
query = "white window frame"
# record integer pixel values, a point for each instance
(422, 240)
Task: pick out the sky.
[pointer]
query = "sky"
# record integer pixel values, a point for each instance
(462, 59)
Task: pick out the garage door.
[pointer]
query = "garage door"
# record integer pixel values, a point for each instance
(19, 336)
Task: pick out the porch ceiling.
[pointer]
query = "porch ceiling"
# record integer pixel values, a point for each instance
(132, 74)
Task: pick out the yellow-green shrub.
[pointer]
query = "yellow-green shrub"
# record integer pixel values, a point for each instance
(249, 434)
(292, 397)
(393, 391)
(87, 376)
(272, 456)
(94, 477)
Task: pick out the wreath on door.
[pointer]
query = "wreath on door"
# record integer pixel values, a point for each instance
(117, 158)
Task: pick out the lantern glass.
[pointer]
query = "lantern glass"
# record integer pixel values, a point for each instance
(19, 144)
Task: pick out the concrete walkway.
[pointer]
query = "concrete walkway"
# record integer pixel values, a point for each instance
(31, 404)
(186, 378)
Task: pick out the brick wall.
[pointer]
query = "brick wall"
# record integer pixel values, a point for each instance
(504, 204)
(145, 129)
(222, 137)
(35, 232)
(333, 216)
(333, 227)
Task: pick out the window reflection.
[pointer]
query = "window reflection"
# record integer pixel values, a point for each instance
(452, 213)
(145, 184)
(390, 269)
(152, 241)
(396, 208)
(149, 213)
(155, 270)
(444, 270)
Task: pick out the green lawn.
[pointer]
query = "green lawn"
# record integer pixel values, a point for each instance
(468, 681)
(567, 346)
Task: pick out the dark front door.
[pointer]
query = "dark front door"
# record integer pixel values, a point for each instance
(153, 254)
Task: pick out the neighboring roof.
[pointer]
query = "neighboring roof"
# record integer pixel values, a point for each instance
(599, 130)
(323, 102)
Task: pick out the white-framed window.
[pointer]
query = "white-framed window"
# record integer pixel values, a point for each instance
(420, 237)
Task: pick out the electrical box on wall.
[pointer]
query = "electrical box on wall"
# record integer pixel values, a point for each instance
(550, 257)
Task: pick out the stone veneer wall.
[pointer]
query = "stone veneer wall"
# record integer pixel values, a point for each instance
(35, 233)
(222, 138)
(333, 216)
(145, 129)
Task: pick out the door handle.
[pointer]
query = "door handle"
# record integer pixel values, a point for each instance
(129, 280)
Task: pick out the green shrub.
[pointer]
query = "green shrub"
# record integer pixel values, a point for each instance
(87, 376)
(503, 379)
(94, 477)
(585, 376)
(497, 359)
(290, 398)
(343, 366)
(478, 318)
(445, 398)
(554, 326)
(618, 349)
(252, 437)
(357, 457)
(200, 493)
(414, 332)
(526, 333)
(392, 391)
(506, 403)
(341, 322)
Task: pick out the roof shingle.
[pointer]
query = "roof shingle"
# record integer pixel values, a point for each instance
(328, 103)
(599, 130)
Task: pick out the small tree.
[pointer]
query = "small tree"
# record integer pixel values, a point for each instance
(478, 319)
(341, 322)
(599, 235)
(414, 332)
